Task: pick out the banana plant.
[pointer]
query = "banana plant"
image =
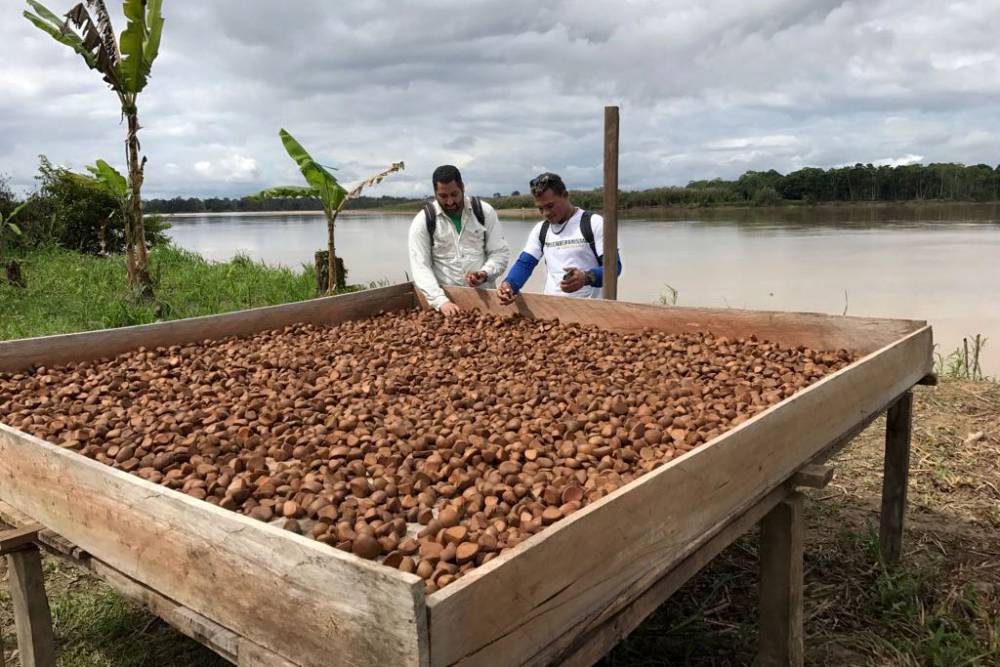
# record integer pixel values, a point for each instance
(323, 186)
(125, 65)
(117, 185)
(9, 228)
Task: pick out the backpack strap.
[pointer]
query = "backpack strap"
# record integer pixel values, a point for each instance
(477, 210)
(430, 218)
(542, 233)
(588, 233)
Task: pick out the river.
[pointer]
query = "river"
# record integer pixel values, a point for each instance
(934, 263)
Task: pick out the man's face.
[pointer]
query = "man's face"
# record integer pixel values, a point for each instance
(451, 196)
(555, 208)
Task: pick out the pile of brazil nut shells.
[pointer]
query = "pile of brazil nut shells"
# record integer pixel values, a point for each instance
(429, 444)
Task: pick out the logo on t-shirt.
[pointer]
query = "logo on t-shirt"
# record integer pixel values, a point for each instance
(566, 242)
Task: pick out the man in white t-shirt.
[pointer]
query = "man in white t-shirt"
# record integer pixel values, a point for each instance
(570, 239)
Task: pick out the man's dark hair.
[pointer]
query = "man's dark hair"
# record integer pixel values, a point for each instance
(446, 173)
(547, 181)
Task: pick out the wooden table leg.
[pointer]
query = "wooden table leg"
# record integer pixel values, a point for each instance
(36, 645)
(781, 536)
(896, 478)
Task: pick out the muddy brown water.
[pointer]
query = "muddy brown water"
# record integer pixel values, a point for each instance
(938, 263)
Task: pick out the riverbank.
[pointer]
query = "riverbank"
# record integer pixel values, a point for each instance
(942, 607)
(792, 209)
(67, 291)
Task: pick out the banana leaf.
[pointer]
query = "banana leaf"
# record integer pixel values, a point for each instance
(330, 192)
(140, 42)
(110, 177)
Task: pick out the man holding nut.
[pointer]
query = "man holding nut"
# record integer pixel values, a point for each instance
(455, 240)
(569, 238)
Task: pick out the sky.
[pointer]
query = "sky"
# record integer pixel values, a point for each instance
(505, 90)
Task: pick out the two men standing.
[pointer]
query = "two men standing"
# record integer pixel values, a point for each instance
(457, 240)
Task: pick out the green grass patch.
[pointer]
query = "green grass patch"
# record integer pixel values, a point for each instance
(68, 291)
(98, 628)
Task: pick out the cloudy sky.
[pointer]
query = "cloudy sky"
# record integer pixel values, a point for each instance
(508, 89)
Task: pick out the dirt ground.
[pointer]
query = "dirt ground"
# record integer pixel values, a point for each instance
(940, 608)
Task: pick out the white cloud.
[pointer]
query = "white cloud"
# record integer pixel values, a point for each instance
(234, 168)
(706, 89)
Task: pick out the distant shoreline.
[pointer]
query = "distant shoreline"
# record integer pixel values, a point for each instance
(531, 213)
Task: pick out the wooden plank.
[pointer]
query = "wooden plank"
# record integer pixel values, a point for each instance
(584, 560)
(252, 655)
(292, 595)
(35, 642)
(861, 335)
(610, 211)
(18, 538)
(896, 477)
(52, 350)
(187, 622)
(588, 643)
(812, 476)
(224, 642)
(780, 633)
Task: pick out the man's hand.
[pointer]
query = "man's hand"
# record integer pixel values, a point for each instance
(449, 309)
(475, 278)
(573, 280)
(506, 293)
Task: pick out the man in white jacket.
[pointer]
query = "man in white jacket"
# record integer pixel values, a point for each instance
(455, 240)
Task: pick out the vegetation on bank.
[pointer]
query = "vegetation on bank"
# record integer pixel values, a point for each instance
(67, 291)
(859, 184)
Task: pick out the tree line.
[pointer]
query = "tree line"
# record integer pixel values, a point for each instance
(811, 185)
(254, 204)
(859, 183)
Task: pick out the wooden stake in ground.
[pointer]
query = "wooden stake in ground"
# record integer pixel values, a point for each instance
(781, 642)
(896, 478)
(35, 642)
(610, 203)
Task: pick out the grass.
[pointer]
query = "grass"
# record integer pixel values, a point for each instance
(71, 292)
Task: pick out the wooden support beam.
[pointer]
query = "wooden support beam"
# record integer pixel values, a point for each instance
(812, 476)
(781, 535)
(610, 249)
(612, 625)
(36, 645)
(898, 423)
(19, 538)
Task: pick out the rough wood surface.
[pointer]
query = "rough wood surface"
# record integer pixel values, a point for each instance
(861, 335)
(813, 476)
(610, 209)
(18, 538)
(588, 643)
(780, 632)
(585, 560)
(896, 478)
(51, 350)
(35, 642)
(292, 595)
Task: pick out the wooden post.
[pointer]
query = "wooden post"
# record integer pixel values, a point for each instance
(781, 643)
(35, 643)
(895, 479)
(610, 249)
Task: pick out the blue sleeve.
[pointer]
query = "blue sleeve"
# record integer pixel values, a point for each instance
(599, 271)
(521, 271)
